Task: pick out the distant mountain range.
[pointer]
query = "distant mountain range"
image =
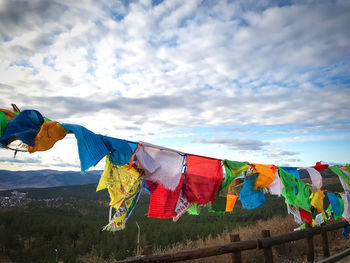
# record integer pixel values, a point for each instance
(52, 178)
(45, 178)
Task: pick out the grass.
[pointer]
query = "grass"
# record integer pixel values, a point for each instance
(284, 253)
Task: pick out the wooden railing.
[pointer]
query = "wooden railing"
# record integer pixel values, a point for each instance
(236, 246)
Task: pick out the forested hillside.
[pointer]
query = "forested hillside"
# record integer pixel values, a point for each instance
(45, 178)
(73, 224)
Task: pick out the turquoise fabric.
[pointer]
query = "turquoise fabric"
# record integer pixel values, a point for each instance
(334, 202)
(93, 147)
(25, 126)
(251, 198)
(292, 170)
(121, 150)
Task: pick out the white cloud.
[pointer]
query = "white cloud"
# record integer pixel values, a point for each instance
(310, 138)
(180, 64)
(237, 144)
(277, 153)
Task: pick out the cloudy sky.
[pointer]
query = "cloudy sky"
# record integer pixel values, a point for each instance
(258, 81)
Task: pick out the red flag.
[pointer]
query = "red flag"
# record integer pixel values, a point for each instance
(320, 167)
(305, 216)
(203, 179)
(163, 201)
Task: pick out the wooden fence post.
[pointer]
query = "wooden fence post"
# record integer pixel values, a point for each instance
(324, 241)
(147, 250)
(268, 257)
(236, 246)
(310, 246)
(236, 256)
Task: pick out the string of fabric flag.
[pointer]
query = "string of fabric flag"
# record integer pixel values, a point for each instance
(176, 181)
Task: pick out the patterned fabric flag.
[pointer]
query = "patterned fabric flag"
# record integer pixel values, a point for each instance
(342, 174)
(219, 206)
(49, 134)
(91, 146)
(276, 186)
(232, 170)
(120, 150)
(203, 179)
(293, 210)
(288, 181)
(266, 175)
(320, 166)
(3, 122)
(292, 170)
(163, 201)
(251, 198)
(317, 200)
(305, 216)
(181, 206)
(335, 205)
(25, 126)
(316, 178)
(346, 200)
(230, 202)
(163, 167)
(121, 182)
(193, 210)
(303, 197)
(117, 222)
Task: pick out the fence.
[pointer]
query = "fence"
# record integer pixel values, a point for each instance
(236, 246)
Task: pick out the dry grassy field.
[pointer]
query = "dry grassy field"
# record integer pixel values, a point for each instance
(284, 253)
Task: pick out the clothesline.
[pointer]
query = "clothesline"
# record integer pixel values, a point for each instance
(160, 147)
(177, 181)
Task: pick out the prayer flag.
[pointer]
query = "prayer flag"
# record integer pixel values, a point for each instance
(203, 179)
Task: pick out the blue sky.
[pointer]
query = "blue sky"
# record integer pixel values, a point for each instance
(257, 81)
